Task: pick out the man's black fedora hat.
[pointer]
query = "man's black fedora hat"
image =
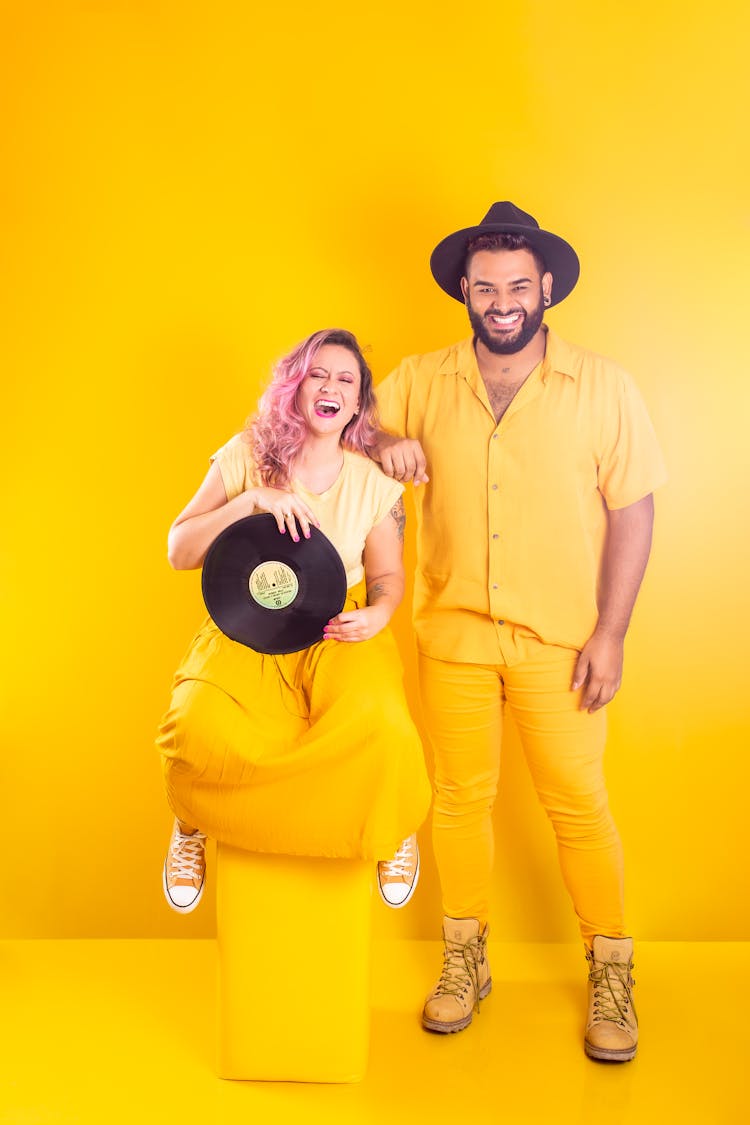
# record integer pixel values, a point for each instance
(449, 256)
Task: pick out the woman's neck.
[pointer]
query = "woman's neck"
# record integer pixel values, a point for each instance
(318, 463)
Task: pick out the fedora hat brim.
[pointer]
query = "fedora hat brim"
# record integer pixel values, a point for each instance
(448, 259)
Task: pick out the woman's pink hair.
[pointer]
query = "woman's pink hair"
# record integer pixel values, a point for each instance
(277, 431)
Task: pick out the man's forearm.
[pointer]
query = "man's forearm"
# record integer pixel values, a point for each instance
(624, 564)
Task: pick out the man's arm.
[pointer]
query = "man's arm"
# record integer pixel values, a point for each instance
(400, 457)
(599, 666)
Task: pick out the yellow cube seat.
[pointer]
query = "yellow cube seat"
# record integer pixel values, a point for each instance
(294, 966)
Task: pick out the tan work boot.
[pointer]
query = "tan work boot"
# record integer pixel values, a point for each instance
(612, 1025)
(465, 979)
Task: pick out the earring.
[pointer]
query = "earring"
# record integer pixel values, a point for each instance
(547, 302)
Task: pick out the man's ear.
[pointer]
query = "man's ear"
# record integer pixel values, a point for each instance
(547, 287)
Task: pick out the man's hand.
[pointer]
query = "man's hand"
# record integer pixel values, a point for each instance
(598, 670)
(401, 458)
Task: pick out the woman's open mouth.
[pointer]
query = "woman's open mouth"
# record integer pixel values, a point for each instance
(326, 408)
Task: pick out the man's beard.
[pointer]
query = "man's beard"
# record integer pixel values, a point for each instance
(526, 331)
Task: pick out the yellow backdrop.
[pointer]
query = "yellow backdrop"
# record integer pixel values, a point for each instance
(188, 190)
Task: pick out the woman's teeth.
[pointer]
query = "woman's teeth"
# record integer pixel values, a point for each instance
(326, 407)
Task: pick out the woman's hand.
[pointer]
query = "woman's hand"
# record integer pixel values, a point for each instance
(209, 513)
(357, 624)
(286, 508)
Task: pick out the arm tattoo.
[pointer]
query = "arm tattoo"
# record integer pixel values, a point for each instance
(375, 591)
(399, 515)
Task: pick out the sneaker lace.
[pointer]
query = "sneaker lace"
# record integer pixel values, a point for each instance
(613, 985)
(461, 968)
(186, 855)
(400, 867)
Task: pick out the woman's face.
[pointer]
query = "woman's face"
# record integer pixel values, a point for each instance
(328, 396)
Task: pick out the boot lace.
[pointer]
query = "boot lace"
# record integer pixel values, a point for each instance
(613, 996)
(461, 968)
(402, 864)
(186, 856)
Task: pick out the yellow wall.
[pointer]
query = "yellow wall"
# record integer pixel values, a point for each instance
(186, 195)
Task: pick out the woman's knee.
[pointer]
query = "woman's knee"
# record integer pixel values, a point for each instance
(198, 714)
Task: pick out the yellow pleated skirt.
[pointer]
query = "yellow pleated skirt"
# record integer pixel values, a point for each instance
(311, 753)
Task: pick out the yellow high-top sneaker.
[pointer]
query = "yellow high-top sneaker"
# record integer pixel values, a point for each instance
(184, 872)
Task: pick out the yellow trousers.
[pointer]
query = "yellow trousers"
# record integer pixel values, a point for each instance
(311, 753)
(564, 750)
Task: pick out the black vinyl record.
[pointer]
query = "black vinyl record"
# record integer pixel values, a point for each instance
(268, 592)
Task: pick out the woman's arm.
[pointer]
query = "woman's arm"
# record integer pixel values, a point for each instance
(209, 512)
(384, 575)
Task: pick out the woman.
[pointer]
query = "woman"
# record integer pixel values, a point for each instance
(311, 753)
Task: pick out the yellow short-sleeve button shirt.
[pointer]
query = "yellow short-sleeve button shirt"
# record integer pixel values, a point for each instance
(511, 526)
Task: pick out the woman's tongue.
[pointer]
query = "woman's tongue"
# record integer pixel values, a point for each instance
(326, 409)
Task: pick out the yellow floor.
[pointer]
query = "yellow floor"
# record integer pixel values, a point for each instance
(95, 1031)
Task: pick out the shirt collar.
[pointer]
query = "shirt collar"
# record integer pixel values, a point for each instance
(460, 358)
(558, 356)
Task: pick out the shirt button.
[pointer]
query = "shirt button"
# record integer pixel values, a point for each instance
(501, 622)
(494, 488)
(495, 586)
(495, 437)
(495, 536)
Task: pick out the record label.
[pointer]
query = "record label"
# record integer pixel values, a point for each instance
(273, 585)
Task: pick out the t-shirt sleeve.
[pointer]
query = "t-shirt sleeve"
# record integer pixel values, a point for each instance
(631, 464)
(393, 399)
(235, 465)
(388, 493)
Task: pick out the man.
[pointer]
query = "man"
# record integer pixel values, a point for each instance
(533, 536)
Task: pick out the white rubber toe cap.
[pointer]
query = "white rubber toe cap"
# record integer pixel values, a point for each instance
(395, 894)
(182, 898)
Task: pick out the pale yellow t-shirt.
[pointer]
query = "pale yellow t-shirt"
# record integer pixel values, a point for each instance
(511, 526)
(359, 499)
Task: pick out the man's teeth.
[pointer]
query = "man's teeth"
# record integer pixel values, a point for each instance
(505, 321)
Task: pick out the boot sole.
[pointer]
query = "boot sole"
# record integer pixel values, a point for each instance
(602, 1054)
(457, 1025)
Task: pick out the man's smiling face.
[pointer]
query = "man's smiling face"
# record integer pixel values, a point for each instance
(505, 298)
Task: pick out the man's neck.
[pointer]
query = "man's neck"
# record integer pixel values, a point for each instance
(513, 368)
